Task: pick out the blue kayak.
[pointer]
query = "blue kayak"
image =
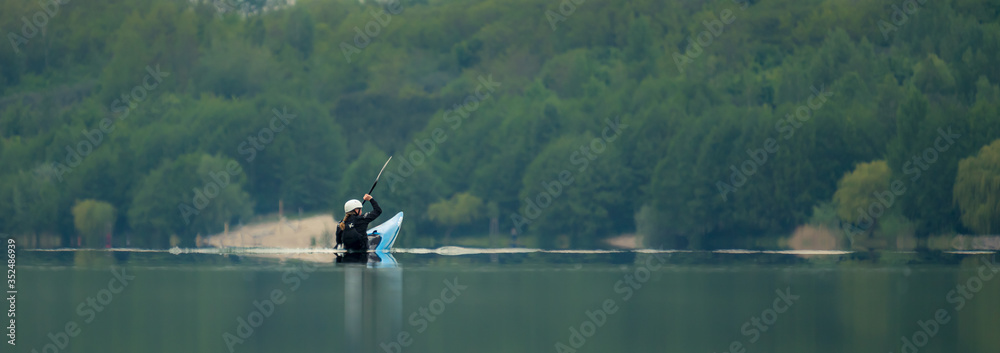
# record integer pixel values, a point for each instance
(388, 230)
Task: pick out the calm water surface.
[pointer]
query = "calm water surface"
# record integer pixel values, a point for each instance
(131, 301)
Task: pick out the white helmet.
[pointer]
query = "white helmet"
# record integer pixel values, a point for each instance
(351, 205)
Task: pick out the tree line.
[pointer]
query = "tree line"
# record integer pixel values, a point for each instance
(738, 119)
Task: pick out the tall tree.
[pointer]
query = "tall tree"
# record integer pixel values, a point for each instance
(977, 190)
(858, 196)
(94, 220)
(461, 208)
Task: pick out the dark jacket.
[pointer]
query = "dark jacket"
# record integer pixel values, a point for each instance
(354, 236)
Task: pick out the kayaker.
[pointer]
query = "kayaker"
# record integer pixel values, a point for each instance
(352, 231)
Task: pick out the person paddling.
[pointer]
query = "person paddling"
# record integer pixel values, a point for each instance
(352, 231)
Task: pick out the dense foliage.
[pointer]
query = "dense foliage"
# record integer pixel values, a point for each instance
(712, 119)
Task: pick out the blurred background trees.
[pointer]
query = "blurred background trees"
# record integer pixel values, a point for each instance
(230, 69)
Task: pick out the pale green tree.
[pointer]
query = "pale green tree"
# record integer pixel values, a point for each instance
(858, 189)
(93, 220)
(461, 208)
(977, 190)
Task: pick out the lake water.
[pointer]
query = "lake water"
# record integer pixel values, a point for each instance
(472, 301)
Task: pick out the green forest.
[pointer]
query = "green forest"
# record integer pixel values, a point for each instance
(692, 123)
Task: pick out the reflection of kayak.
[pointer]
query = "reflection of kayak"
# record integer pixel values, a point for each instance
(388, 230)
(385, 260)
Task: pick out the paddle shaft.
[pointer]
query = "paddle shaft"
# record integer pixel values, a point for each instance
(376, 179)
(369, 192)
